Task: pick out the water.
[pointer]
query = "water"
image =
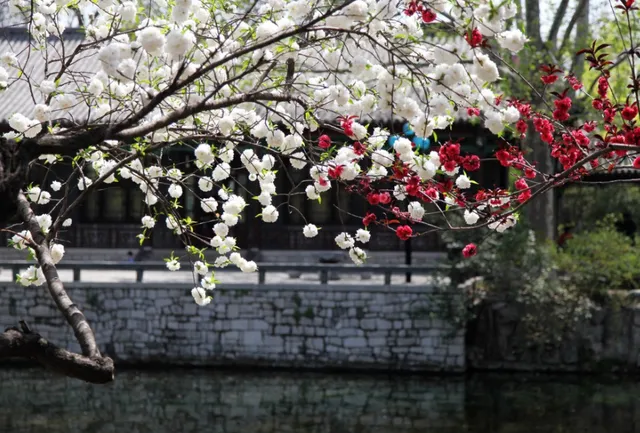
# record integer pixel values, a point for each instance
(245, 402)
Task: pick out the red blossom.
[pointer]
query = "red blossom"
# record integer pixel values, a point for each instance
(563, 104)
(450, 166)
(549, 76)
(404, 232)
(521, 184)
(629, 112)
(347, 124)
(335, 172)
(472, 111)
(471, 163)
(560, 115)
(368, 219)
(412, 8)
(529, 173)
(521, 126)
(504, 158)
(523, 108)
(636, 163)
(428, 16)
(431, 193)
(359, 148)
(524, 196)
(449, 150)
(573, 82)
(470, 250)
(609, 114)
(373, 198)
(603, 86)
(474, 38)
(412, 189)
(324, 142)
(589, 126)
(384, 197)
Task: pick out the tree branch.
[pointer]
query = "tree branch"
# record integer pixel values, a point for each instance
(557, 22)
(572, 23)
(175, 116)
(532, 21)
(208, 67)
(91, 360)
(15, 343)
(69, 310)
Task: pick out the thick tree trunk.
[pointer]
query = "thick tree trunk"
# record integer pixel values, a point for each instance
(541, 212)
(89, 366)
(16, 343)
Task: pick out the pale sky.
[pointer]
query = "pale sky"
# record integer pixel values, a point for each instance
(597, 9)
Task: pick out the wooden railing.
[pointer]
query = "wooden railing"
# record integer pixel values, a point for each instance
(324, 270)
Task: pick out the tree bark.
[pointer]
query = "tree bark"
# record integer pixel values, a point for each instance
(89, 366)
(16, 343)
(541, 212)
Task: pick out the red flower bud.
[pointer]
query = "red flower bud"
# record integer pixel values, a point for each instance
(470, 250)
(324, 142)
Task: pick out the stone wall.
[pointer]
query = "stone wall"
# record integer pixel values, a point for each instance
(607, 342)
(311, 326)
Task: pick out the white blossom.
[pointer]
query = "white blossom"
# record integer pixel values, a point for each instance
(200, 296)
(513, 40)
(344, 241)
(209, 205)
(416, 211)
(471, 217)
(148, 222)
(363, 235)
(173, 265)
(310, 231)
(463, 182)
(357, 255)
(270, 214)
(57, 252)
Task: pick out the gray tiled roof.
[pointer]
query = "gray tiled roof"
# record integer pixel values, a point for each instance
(39, 65)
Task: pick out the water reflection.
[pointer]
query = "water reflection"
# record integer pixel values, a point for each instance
(243, 402)
(552, 404)
(223, 402)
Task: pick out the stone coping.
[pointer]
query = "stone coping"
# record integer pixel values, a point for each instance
(259, 287)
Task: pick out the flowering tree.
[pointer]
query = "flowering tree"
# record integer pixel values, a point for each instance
(271, 84)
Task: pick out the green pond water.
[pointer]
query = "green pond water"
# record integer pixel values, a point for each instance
(276, 402)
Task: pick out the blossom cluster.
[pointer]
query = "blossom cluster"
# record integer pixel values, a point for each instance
(282, 86)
